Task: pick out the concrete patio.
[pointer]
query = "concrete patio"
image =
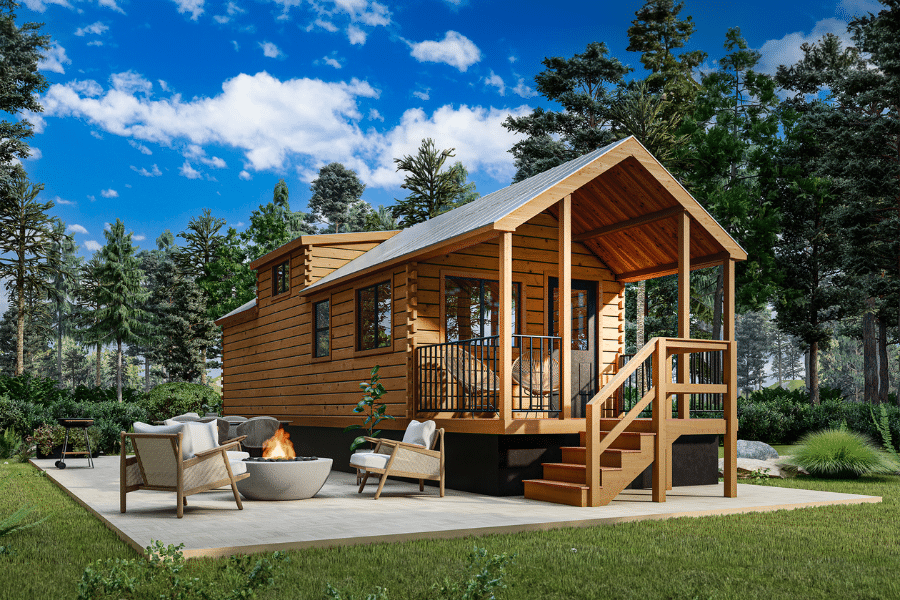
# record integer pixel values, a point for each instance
(337, 515)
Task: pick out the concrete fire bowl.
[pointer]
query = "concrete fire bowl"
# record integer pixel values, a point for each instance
(284, 479)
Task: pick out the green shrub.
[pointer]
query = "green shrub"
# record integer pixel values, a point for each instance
(10, 444)
(170, 399)
(842, 454)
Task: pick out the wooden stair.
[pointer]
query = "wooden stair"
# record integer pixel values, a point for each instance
(566, 482)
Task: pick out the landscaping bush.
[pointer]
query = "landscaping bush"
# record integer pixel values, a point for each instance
(840, 454)
(171, 399)
(779, 416)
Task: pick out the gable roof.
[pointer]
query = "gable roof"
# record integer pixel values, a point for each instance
(509, 207)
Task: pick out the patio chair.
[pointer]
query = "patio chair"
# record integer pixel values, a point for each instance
(161, 463)
(257, 430)
(480, 383)
(419, 456)
(223, 426)
(187, 417)
(538, 379)
(234, 421)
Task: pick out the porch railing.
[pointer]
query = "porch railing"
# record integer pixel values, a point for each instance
(463, 376)
(704, 368)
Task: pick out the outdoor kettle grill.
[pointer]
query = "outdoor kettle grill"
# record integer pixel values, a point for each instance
(70, 424)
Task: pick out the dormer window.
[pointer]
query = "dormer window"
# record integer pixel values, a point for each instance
(281, 278)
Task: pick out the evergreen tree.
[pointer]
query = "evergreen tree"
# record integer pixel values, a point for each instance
(88, 299)
(21, 48)
(752, 331)
(584, 87)
(467, 191)
(335, 193)
(381, 219)
(64, 284)
(27, 238)
(432, 189)
(121, 297)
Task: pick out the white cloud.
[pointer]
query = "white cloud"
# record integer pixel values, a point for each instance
(513, 58)
(76, 228)
(139, 237)
(107, 227)
(54, 59)
(97, 28)
(193, 151)
(237, 46)
(110, 193)
(326, 25)
(297, 124)
(92, 245)
(130, 82)
(190, 172)
(455, 50)
(421, 95)
(61, 201)
(356, 35)
(140, 147)
(34, 154)
(523, 90)
(97, 135)
(194, 7)
(41, 5)
(92, 198)
(333, 62)
(857, 8)
(786, 50)
(270, 50)
(246, 176)
(143, 172)
(95, 43)
(111, 4)
(496, 81)
(231, 11)
(374, 115)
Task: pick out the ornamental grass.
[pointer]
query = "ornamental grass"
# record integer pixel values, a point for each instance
(841, 454)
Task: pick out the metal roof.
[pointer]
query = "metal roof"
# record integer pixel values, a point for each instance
(469, 217)
(239, 309)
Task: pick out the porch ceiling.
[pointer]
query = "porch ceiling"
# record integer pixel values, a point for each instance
(630, 222)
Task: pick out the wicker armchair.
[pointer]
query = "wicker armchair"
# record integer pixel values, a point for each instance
(419, 456)
(159, 464)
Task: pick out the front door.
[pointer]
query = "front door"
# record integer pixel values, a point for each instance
(584, 339)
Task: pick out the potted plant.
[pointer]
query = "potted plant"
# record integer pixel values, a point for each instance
(374, 412)
(48, 439)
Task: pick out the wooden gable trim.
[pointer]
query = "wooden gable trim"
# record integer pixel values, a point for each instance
(652, 272)
(616, 227)
(323, 240)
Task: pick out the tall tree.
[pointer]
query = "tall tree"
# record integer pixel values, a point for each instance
(382, 219)
(21, 48)
(64, 283)
(432, 189)
(752, 331)
(88, 300)
(121, 296)
(657, 33)
(335, 192)
(584, 86)
(27, 238)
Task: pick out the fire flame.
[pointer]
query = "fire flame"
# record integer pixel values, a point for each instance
(279, 446)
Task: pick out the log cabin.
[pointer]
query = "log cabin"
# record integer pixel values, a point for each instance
(462, 314)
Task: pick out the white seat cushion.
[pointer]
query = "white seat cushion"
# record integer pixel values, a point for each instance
(369, 460)
(420, 434)
(197, 437)
(234, 455)
(140, 427)
(238, 467)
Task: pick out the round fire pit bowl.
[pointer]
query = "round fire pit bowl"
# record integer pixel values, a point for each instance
(284, 479)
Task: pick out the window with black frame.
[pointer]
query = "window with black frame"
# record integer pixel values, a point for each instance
(373, 317)
(472, 308)
(281, 282)
(322, 326)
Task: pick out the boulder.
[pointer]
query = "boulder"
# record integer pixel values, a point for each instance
(750, 467)
(755, 450)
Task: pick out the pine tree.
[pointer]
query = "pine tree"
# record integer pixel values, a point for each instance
(752, 332)
(64, 284)
(335, 193)
(432, 189)
(120, 314)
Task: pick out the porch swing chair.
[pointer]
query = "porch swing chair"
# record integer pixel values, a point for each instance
(538, 381)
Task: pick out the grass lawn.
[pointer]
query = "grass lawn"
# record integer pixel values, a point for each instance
(831, 552)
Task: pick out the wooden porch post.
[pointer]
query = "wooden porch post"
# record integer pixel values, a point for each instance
(412, 313)
(684, 305)
(565, 305)
(505, 341)
(730, 377)
(662, 409)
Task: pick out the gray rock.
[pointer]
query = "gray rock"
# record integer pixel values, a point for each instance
(755, 450)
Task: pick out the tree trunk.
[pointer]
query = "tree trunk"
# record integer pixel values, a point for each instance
(814, 373)
(119, 369)
(870, 355)
(883, 380)
(203, 366)
(146, 373)
(59, 341)
(20, 318)
(718, 297)
(97, 381)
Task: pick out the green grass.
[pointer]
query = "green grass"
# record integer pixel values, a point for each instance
(831, 552)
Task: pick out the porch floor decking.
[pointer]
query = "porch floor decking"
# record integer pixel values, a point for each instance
(337, 515)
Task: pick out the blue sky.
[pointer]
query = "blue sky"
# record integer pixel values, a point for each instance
(160, 108)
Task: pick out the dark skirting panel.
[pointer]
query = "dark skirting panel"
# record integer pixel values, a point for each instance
(495, 465)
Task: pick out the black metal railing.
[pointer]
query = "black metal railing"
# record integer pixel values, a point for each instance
(536, 374)
(459, 376)
(463, 376)
(704, 367)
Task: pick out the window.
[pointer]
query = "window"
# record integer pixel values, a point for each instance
(373, 317)
(281, 278)
(322, 328)
(472, 308)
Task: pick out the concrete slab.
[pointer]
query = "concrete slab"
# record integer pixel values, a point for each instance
(338, 515)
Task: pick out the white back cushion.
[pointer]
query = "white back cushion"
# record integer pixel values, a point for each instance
(420, 434)
(197, 437)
